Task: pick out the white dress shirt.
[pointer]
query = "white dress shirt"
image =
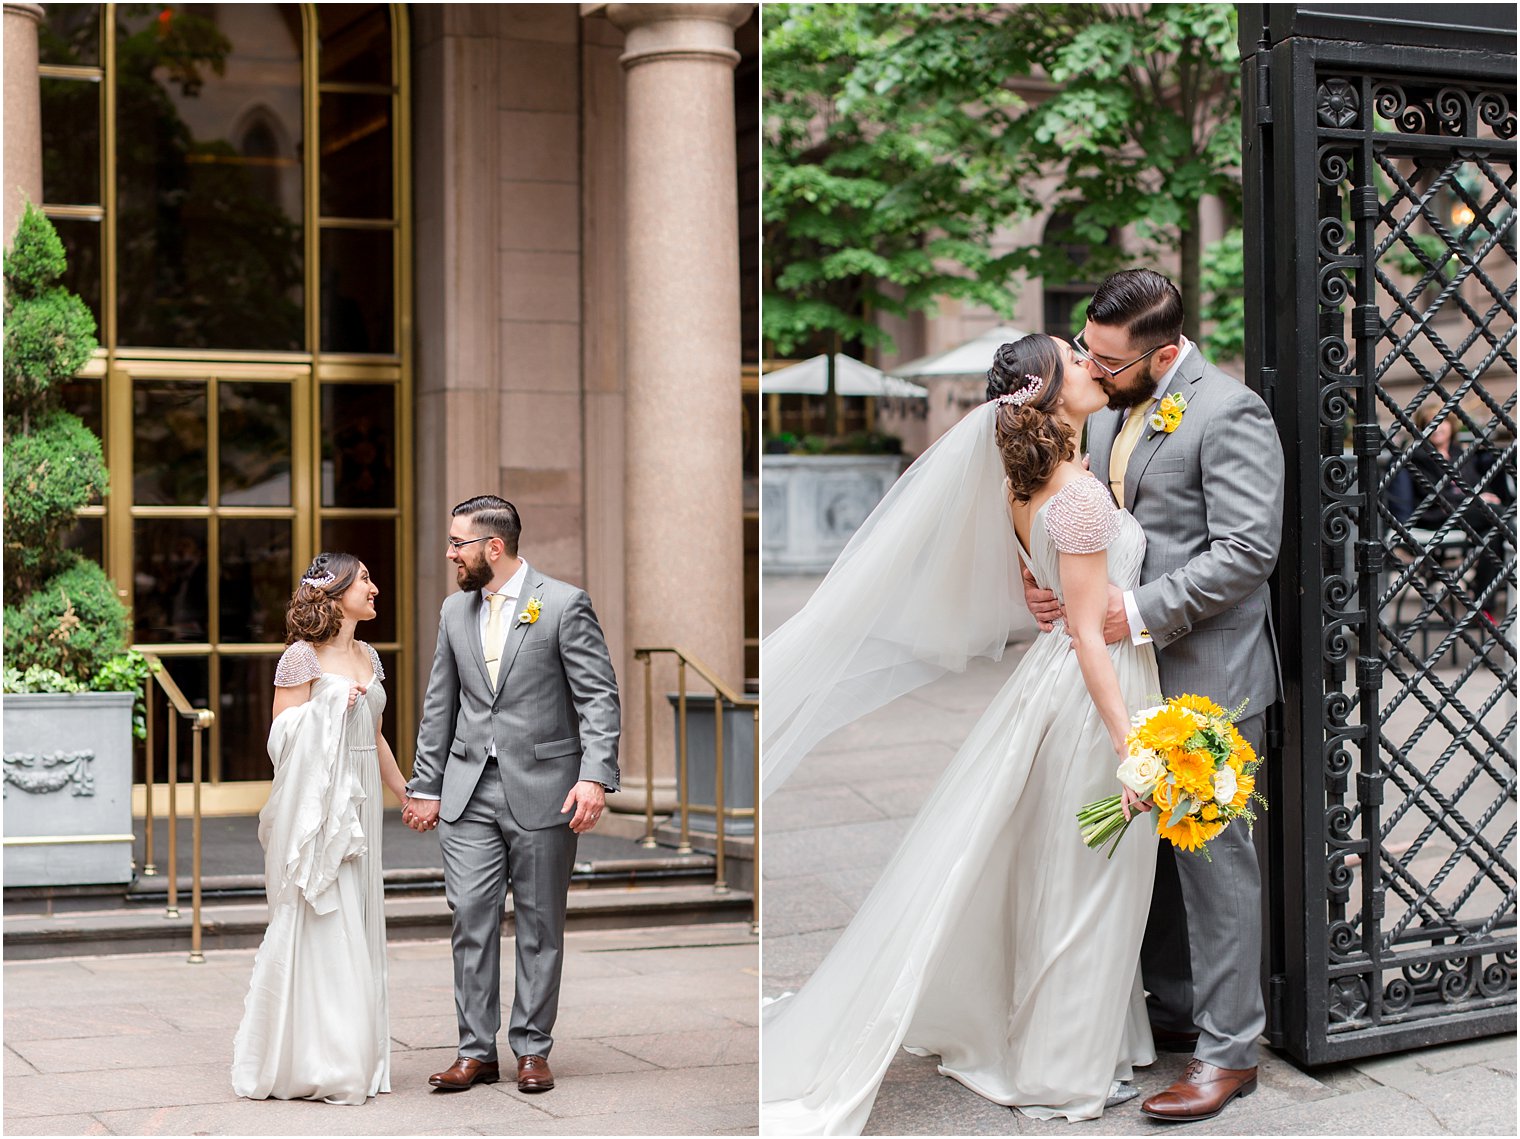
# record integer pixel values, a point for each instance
(511, 591)
(1138, 633)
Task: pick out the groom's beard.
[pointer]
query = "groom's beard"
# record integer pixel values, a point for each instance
(1132, 390)
(474, 575)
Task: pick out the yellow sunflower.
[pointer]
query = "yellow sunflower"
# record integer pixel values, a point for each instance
(1189, 833)
(1169, 728)
(1200, 704)
(1244, 785)
(1194, 771)
(1210, 812)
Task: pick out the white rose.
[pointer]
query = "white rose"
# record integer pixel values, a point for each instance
(1144, 714)
(1141, 771)
(1224, 785)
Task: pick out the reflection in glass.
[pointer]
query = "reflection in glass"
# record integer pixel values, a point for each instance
(87, 536)
(359, 445)
(254, 450)
(70, 35)
(209, 176)
(169, 443)
(70, 142)
(81, 247)
(193, 675)
(356, 43)
(170, 576)
(357, 286)
(373, 542)
(256, 578)
(244, 716)
(356, 155)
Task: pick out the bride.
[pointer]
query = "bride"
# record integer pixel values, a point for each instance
(994, 939)
(315, 1022)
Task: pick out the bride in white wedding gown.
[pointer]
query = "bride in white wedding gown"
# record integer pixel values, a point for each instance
(994, 939)
(315, 1022)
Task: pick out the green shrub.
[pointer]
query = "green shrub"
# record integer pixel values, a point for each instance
(75, 623)
(50, 473)
(35, 259)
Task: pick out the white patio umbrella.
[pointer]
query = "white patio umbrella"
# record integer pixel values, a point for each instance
(851, 377)
(968, 361)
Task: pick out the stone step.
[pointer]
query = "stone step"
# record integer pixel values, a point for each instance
(409, 917)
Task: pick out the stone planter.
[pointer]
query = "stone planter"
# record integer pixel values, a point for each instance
(738, 763)
(68, 788)
(812, 504)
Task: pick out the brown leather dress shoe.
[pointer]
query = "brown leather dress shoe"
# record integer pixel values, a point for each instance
(533, 1074)
(1202, 1093)
(466, 1072)
(1170, 1041)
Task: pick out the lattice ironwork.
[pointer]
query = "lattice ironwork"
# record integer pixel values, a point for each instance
(1395, 371)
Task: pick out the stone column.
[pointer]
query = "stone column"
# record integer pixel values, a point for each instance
(23, 113)
(684, 525)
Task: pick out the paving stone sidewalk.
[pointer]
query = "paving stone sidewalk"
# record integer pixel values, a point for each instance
(656, 1036)
(830, 830)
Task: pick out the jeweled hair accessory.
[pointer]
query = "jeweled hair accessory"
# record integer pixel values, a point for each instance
(1025, 394)
(319, 580)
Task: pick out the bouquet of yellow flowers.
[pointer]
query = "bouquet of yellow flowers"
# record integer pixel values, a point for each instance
(1187, 756)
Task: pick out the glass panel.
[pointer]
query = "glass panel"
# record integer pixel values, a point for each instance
(209, 188)
(357, 271)
(256, 577)
(359, 445)
(169, 443)
(356, 43)
(70, 35)
(193, 675)
(244, 713)
(87, 535)
(254, 429)
(373, 542)
(83, 398)
(70, 142)
(392, 684)
(81, 247)
(169, 560)
(356, 156)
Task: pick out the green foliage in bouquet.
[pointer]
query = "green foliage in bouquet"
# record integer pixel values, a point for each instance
(62, 614)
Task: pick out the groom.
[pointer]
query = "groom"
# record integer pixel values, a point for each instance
(516, 750)
(1209, 498)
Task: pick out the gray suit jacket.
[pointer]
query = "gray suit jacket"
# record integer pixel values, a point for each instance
(553, 714)
(1209, 498)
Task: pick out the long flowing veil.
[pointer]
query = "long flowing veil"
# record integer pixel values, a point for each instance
(928, 582)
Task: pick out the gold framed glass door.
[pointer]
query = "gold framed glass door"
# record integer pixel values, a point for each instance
(232, 183)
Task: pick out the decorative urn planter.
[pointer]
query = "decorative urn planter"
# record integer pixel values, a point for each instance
(68, 788)
(811, 505)
(701, 767)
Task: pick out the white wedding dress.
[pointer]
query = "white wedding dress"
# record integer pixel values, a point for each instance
(995, 939)
(316, 1023)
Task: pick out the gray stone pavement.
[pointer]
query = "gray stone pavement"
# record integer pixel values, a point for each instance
(656, 1036)
(835, 823)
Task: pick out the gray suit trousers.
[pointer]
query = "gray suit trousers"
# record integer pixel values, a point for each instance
(482, 849)
(1203, 973)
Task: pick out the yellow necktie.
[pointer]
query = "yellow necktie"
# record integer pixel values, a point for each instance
(494, 639)
(1124, 447)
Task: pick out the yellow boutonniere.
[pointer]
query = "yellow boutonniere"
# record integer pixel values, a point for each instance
(1168, 413)
(530, 612)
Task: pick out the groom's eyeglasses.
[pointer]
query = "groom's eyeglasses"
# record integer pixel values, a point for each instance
(459, 544)
(1112, 373)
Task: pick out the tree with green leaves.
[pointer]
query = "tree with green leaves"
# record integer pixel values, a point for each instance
(900, 138)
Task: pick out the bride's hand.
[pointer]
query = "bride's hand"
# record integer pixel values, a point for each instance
(354, 693)
(1132, 802)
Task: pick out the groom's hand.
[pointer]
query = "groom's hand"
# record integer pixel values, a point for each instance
(1116, 620)
(1042, 603)
(588, 797)
(420, 814)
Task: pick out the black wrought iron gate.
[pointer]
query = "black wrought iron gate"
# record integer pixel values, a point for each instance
(1380, 282)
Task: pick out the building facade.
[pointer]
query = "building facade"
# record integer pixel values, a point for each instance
(352, 264)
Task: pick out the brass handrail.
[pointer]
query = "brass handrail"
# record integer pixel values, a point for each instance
(201, 720)
(723, 695)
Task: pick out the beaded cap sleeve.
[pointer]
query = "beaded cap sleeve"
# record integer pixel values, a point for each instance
(1081, 517)
(374, 660)
(298, 665)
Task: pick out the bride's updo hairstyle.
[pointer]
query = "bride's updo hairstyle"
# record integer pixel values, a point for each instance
(1025, 379)
(313, 613)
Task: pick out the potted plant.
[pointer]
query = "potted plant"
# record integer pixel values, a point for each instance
(69, 679)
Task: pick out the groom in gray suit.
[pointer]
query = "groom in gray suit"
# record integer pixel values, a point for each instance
(516, 750)
(1209, 498)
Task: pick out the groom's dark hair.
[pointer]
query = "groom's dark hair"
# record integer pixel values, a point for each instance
(494, 516)
(1142, 302)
